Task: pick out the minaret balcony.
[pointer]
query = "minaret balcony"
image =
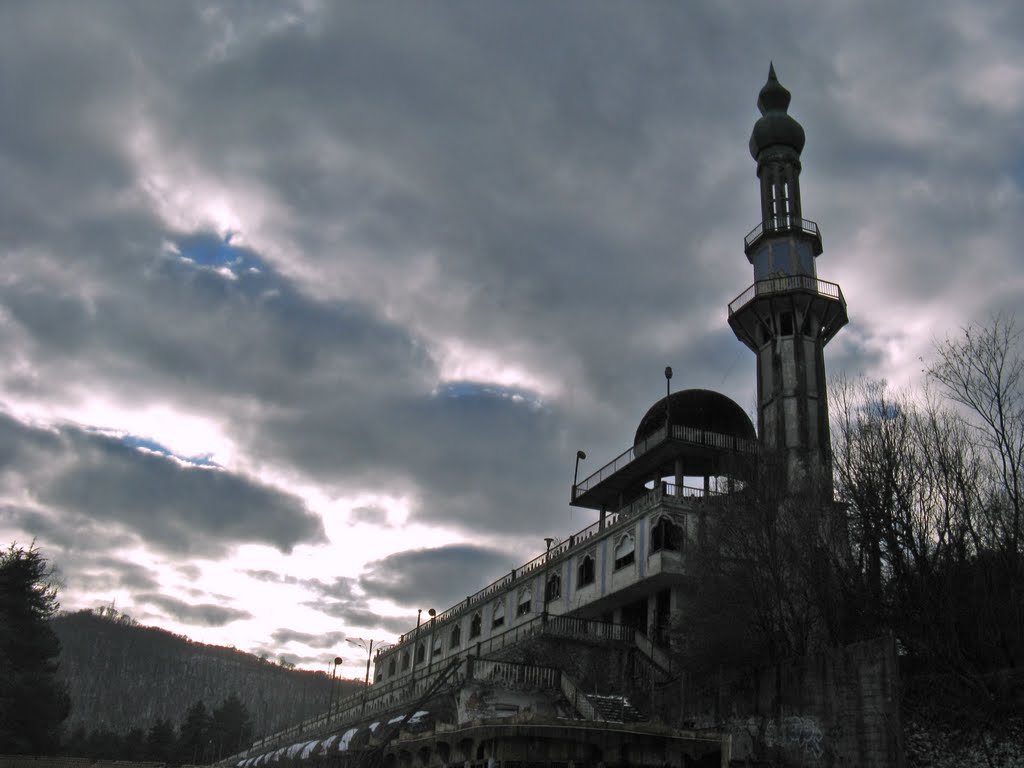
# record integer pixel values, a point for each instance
(783, 225)
(754, 308)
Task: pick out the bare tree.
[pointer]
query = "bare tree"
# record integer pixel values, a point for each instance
(982, 369)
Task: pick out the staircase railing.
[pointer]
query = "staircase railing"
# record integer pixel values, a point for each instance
(579, 700)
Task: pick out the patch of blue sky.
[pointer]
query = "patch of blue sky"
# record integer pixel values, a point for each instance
(484, 390)
(211, 251)
(151, 446)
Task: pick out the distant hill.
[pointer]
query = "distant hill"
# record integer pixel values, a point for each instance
(121, 675)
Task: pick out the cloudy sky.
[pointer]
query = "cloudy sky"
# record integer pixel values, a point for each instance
(307, 306)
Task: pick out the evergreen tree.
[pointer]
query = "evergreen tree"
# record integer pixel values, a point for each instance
(194, 742)
(33, 704)
(160, 742)
(231, 727)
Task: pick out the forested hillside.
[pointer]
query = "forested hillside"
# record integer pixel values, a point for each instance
(122, 676)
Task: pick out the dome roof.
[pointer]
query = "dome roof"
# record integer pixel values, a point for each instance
(775, 127)
(698, 408)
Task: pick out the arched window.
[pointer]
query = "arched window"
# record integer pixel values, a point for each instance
(585, 572)
(475, 626)
(391, 667)
(405, 660)
(498, 616)
(665, 535)
(553, 589)
(438, 648)
(523, 606)
(421, 652)
(456, 637)
(624, 552)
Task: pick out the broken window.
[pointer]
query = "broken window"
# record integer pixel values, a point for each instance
(624, 552)
(553, 589)
(665, 535)
(585, 572)
(523, 607)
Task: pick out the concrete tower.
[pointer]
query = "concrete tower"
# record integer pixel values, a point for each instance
(788, 315)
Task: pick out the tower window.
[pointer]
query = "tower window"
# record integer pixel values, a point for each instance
(585, 572)
(786, 324)
(625, 552)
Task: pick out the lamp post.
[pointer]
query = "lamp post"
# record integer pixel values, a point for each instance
(415, 640)
(575, 474)
(547, 583)
(330, 707)
(361, 643)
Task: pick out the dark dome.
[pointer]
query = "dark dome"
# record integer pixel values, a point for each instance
(699, 408)
(775, 127)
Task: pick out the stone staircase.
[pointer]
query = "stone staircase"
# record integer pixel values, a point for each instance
(616, 709)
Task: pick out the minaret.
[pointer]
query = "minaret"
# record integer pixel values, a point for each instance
(788, 315)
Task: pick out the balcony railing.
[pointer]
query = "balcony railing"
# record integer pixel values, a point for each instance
(787, 283)
(690, 435)
(781, 224)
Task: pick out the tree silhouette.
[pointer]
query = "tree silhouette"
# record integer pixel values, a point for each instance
(33, 704)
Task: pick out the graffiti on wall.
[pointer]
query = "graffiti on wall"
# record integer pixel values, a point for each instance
(799, 734)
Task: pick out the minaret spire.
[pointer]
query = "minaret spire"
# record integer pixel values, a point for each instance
(788, 315)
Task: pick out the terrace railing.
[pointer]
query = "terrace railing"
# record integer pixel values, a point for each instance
(781, 224)
(679, 432)
(787, 283)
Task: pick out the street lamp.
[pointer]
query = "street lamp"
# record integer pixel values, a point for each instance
(330, 707)
(360, 642)
(576, 472)
(547, 583)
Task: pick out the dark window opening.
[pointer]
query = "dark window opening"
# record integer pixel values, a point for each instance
(553, 589)
(786, 324)
(524, 603)
(421, 653)
(624, 552)
(665, 535)
(391, 667)
(585, 573)
(405, 661)
(475, 626)
(456, 637)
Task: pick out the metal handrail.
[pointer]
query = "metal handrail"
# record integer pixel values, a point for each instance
(787, 283)
(679, 432)
(781, 224)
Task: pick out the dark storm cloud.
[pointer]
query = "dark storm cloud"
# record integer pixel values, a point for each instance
(173, 507)
(204, 614)
(562, 189)
(323, 641)
(357, 615)
(340, 588)
(435, 577)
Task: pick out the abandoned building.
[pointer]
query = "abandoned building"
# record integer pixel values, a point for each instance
(567, 660)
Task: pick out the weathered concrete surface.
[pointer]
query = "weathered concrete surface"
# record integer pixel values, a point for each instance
(837, 708)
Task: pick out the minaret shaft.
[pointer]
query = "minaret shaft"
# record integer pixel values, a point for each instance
(788, 315)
